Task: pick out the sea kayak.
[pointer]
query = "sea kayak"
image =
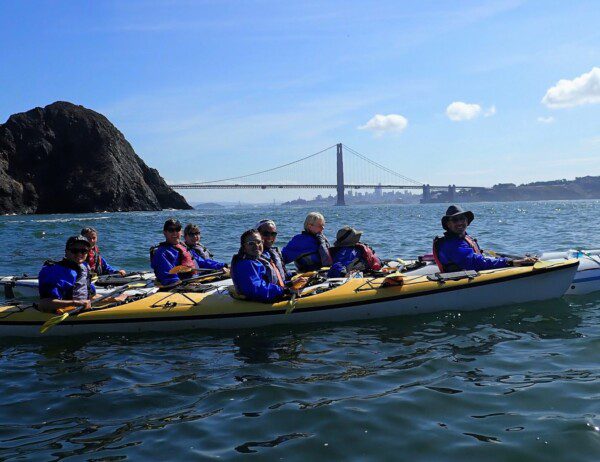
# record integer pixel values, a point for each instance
(27, 286)
(330, 301)
(585, 281)
(587, 278)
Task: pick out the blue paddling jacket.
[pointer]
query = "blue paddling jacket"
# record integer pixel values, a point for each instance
(308, 251)
(105, 267)
(455, 253)
(57, 280)
(255, 279)
(203, 260)
(342, 258)
(165, 257)
(354, 257)
(98, 263)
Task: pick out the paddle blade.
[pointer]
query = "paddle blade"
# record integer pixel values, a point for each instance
(180, 269)
(291, 304)
(53, 322)
(66, 309)
(308, 274)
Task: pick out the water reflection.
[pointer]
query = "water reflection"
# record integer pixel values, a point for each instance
(263, 347)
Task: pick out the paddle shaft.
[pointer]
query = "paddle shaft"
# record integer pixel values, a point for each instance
(504, 255)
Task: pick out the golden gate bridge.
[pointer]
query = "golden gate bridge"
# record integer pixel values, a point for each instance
(395, 180)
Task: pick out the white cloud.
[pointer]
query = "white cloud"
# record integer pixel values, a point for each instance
(381, 124)
(584, 89)
(458, 111)
(490, 112)
(546, 120)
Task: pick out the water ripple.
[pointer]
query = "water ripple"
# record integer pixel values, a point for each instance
(516, 383)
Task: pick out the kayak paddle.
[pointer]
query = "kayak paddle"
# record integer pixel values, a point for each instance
(64, 313)
(186, 269)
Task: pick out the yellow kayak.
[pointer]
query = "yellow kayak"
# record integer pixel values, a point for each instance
(331, 301)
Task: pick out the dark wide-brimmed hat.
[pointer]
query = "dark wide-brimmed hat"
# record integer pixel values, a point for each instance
(347, 236)
(455, 211)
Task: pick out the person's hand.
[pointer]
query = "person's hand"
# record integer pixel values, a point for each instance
(87, 304)
(122, 272)
(298, 284)
(119, 298)
(226, 271)
(528, 261)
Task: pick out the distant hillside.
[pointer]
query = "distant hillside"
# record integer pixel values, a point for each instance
(65, 158)
(206, 205)
(587, 187)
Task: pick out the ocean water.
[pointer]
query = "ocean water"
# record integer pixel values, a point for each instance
(511, 384)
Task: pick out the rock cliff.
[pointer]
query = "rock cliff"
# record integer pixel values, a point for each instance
(65, 158)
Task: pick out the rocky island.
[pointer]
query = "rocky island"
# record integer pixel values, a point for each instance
(65, 158)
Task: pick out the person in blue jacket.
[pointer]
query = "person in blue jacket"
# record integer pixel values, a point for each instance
(310, 249)
(457, 250)
(200, 254)
(67, 282)
(253, 276)
(97, 262)
(271, 253)
(349, 254)
(169, 254)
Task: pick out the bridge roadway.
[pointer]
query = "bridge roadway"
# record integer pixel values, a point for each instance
(311, 186)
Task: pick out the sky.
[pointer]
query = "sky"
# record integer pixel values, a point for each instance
(462, 92)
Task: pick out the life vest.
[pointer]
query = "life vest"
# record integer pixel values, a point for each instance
(203, 251)
(65, 263)
(368, 255)
(276, 260)
(94, 261)
(271, 275)
(273, 272)
(451, 266)
(185, 257)
(317, 258)
(366, 260)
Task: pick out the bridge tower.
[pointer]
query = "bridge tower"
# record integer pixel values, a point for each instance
(451, 193)
(340, 176)
(426, 194)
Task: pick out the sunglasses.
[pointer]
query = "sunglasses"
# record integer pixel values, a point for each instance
(77, 250)
(458, 219)
(268, 233)
(254, 243)
(193, 234)
(173, 230)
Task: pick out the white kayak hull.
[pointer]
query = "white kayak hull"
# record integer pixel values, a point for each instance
(587, 278)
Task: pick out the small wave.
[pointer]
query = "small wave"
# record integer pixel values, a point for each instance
(66, 220)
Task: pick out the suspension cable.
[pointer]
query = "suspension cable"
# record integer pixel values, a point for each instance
(366, 159)
(270, 169)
